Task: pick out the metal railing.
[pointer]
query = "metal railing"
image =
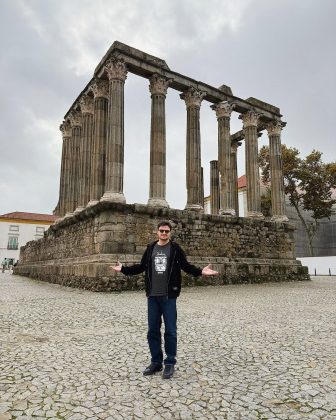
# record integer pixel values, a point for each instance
(330, 274)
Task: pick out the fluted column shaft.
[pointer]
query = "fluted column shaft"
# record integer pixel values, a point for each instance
(100, 89)
(114, 173)
(250, 123)
(76, 134)
(65, 168)
(86, 103)
(277, 181)
(202, 188)
(234, 173)
(214, 187)
(157, 178)
(67, 176)
(223, 113)
(193, 99)
(58, 209)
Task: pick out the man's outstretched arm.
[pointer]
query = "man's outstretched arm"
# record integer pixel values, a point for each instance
(207, 271)
(192, 269)
(132, 269)
(117, 267)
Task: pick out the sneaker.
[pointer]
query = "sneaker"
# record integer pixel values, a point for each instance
(152, 368)
(168, 371)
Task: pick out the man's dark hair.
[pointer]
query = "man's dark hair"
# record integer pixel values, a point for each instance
(164, 223)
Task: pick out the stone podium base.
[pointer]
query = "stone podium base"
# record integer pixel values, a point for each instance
(78, 250)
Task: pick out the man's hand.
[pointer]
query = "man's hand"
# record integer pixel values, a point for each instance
(207, 271)
(116, 267)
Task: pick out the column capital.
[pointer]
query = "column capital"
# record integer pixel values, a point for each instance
(193, 97)
(158, 85)
(75, 118)
(223, 109)
(116, 69)
(250, 119)
(100, 88)
(65, 128)
(235, 145)
(86, 104)
(274, 128)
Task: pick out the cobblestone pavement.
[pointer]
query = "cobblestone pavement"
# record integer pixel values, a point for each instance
(245, 352)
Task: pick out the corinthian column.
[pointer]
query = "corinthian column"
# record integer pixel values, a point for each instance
(193, 98)
(86, 104)
(234, 173)
(250, 122)
(157, 179)
(100, 89)
(114, 174)
(202, 188)
(223, 113)
(277, 183)
(65, 168)
(214, 187)
(76, 134)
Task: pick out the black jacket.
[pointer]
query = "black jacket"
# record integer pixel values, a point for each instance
(178, 261)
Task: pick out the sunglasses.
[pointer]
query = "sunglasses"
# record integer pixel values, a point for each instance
(164, 231)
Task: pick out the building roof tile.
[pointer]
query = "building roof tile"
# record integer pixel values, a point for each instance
(242, 181)
(30, 216)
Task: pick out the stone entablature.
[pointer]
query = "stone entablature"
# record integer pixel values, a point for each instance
(78, 250)
(144, 65)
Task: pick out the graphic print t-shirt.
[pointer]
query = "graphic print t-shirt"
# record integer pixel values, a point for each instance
(160, 263)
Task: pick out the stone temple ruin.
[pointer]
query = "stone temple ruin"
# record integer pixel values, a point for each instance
(96, 225)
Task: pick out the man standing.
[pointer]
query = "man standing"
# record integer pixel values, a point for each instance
(162, 263)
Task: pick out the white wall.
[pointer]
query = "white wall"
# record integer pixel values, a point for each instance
(27, 232)
(242, 203)
(321, 264)
(207, 205)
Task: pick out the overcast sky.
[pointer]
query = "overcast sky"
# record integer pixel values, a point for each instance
(279, 51)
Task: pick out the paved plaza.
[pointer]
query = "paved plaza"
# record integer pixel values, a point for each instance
(244, 352)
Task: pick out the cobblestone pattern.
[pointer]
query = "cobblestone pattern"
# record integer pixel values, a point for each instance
(244, 352)
(78, 250)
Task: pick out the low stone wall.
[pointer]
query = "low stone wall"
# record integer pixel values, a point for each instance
(78, 250)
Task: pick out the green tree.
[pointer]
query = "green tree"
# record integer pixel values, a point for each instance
(308, 185)
(266, 203)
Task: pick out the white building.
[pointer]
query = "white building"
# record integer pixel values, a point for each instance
(18, 228)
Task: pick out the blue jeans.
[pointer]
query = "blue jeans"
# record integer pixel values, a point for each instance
(158, 307)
